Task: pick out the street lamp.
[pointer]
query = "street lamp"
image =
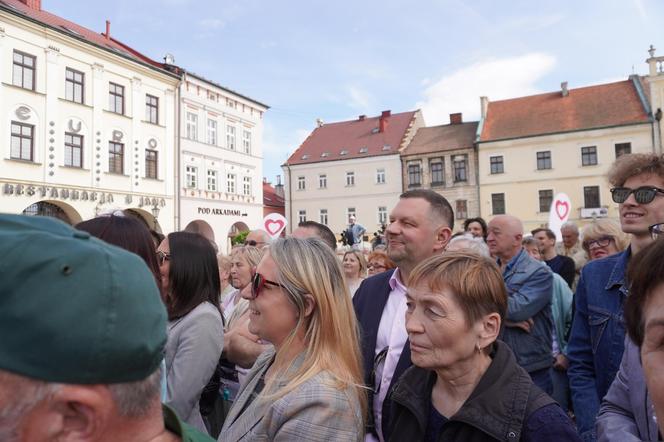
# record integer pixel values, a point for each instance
(155, 211)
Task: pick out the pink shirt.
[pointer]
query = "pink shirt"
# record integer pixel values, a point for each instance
(391, 334)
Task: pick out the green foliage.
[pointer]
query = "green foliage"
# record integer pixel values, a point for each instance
(239, 238)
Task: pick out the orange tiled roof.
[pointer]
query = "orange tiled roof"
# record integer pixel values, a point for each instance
(270, 196)
(353, 139)
(442, 138)
(603, 105)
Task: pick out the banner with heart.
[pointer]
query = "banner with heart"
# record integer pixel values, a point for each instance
(561, 207)
(274, 224)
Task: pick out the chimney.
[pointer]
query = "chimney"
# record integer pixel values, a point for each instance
(279, 188)
(382, 122)
(108, 30)
(32, 4)
(456, 118)
(265, 180)
(564, 90)
(319, 122)
(484, 105)
(362, 117)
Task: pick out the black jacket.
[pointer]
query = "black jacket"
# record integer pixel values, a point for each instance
(496, 410)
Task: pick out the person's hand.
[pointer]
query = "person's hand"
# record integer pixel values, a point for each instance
(561, 363)
(526, 325)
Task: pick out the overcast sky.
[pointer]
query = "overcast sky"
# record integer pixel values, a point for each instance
(338, 59)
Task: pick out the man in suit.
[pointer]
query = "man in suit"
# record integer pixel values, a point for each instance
(420, 226)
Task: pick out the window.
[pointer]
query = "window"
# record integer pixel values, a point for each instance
(302, 216)
(589, 156)
(192, 126)
(22, 143)
(545, 200)
(23, 74)
(73, 150)
(116, 98)
(623, 148)
(151, 109)
(498, 203)
(191, 177)
(591, 197)
(322, 181)
(230, 137)
(246, 141)
(460, 172)
(323, 216)
(462, 209)
(496, 164)
(246, 181)
(230, 183)
(350, 178)
(437, 174)
(380, 176)
(544, 160)
(212, 180)
(301, 183)
(74, 85)
(212, 132)
(151, 162)
(382, 215)
(414, 175)
(115, 157)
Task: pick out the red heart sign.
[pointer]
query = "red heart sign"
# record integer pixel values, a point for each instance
(562, 208)
(273, 227)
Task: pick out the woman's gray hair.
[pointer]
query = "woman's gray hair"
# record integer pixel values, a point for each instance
(468, 242)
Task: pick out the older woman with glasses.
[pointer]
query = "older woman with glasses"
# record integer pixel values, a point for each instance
(603, 237)
(379, 262)
(465, 384)
(308, 386)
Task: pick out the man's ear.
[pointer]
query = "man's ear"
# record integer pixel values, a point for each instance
(443, 235)
(86, 411)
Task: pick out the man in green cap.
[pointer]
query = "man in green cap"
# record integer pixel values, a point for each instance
(82, 335)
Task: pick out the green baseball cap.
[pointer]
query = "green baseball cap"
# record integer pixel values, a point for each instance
(74, 309)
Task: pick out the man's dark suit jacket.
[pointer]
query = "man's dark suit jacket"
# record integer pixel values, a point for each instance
(369, 302)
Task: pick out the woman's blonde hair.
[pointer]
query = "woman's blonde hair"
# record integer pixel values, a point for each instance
(606, 227)
(308, 267)
(362, 260)
(252, 255)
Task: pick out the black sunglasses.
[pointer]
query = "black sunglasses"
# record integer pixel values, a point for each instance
(163, 256)
(258, 282)
(642, 195)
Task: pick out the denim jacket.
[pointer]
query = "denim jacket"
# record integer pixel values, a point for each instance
(529, 288)
(596, 342)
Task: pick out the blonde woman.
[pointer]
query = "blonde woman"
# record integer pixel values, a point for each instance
(603, 237)
(355, 269)
(309, 385)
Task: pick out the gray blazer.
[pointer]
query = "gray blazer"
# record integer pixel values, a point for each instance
(193, 350)
(314, 411)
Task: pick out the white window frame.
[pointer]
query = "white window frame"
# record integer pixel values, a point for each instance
(230, 137)
(302, 215)
(301, 183)
(212, 131)
(322, 181)
(380, 176)
(246, 141)
(192, 126)
(382, 215)
(230, 183)
(246, 185)
(322, 215)
(191, 177)
(212, 176)
(350, 179)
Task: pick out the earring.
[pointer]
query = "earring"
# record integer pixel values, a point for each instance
(479, 349)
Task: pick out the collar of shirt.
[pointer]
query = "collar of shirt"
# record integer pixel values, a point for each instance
(395, 281)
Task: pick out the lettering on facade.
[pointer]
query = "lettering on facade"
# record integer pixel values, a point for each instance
(23, 113)
(117, 136)
(217, 211)
(73, 127)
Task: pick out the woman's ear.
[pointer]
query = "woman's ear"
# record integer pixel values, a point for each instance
(309, 305)
(490, 329)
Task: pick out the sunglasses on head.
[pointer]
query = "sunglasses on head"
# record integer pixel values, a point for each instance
(258, 282)
(642, 195)
(162, 256)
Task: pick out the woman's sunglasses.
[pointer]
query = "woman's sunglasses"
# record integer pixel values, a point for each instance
(642, 195)
(258, 282)
(162, 256)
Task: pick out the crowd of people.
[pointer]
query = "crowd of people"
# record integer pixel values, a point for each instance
(113, 332)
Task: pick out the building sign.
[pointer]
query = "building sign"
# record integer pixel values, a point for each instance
(217, 211)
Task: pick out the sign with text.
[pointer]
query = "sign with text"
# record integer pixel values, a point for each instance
(561, 207)
(274, 224)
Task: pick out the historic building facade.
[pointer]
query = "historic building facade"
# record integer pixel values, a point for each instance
(221, 159)
(87, 123)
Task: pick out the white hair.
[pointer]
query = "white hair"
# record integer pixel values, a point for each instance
(468, 242)
(570, 225)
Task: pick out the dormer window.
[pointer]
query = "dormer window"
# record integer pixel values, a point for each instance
(387, 147)
(325, 155)
(343, 152)
(375, 130)
(305, 156)
(364, 150)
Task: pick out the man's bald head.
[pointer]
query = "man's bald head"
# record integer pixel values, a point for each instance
(505, 233)
(257, 238)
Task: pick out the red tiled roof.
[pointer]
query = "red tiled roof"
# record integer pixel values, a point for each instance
(270, 197)
(76, 31)
(604, 105)
(357, 138)
(442, 138)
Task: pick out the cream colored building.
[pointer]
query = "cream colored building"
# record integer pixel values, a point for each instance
(221, 160)
(532, 148)
(87, 123)
(349, 168)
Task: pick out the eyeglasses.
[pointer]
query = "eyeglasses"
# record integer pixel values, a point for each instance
(656, 231)
(375, 266)
(642, 195)
(602, 241)
(253, 243)
(258, 282)
(162, 256)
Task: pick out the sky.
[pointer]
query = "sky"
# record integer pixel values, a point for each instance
(337, 60)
